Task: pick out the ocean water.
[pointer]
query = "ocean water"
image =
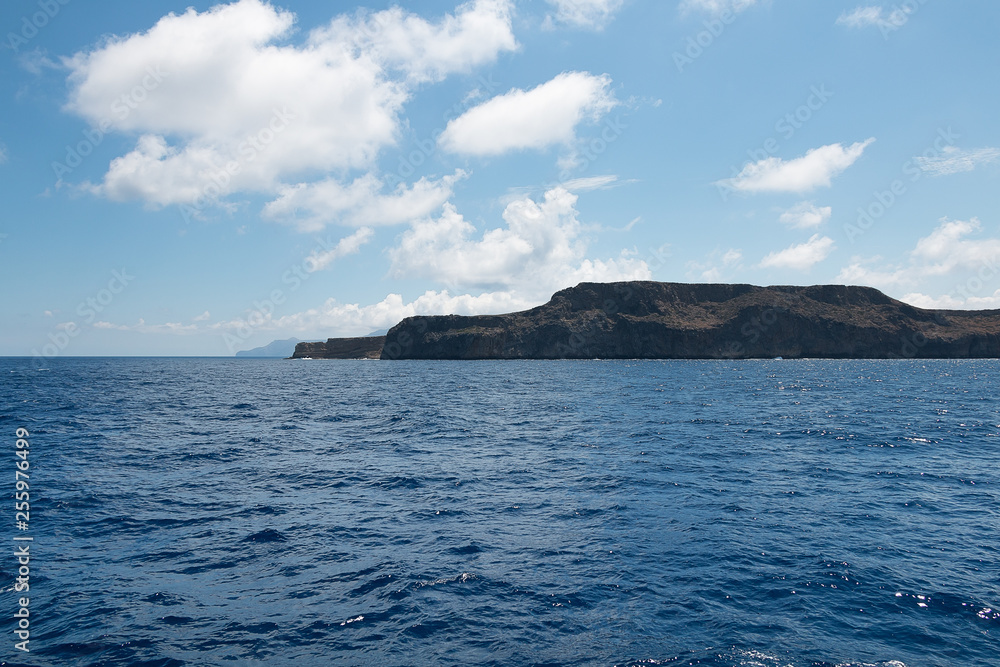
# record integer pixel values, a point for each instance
(267, 512)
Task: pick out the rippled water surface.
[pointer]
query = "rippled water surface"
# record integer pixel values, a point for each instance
(760, 513)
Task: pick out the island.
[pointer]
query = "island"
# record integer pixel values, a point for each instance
(362, 347)
(654, 320)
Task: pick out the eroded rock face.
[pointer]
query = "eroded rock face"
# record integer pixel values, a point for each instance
(649, 320)
(367, 347)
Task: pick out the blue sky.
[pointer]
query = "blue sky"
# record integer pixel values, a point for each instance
(196, 180)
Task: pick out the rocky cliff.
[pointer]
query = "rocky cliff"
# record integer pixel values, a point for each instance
(366, 347)
(650, 320)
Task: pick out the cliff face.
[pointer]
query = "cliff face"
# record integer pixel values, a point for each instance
(649, 320)
(367, 347)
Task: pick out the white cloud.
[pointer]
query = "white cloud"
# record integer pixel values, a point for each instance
(955, 160)
(716, 6)
(814, 169)
(239, 109)
(538, 252)
(175, 328)
(861, 17)
(717, 266)
(949, 302)
(593, 14)
(311, 206)
(947, 250)
(590, 183)
(349, 245)
(946, 254)
(800, 257)
(874, 15)
(806, 215)
(202, 318)
(350, 319)
(474, 35)
(535, 119)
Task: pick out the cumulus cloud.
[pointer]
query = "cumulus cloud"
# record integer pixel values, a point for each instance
(806, 215)
(950, 253)
(801, 257)
(814, 169)
(539, 251)
(424, 51)
(311, 206)
(949, 302)
(535, 119)
(593, 14)
(954, 160)
(222, 103)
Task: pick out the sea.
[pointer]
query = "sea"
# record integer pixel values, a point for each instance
(771, 513)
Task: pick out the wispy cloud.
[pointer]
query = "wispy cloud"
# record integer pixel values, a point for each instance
(876, 16)
(861, 17)
(801, 257)
(590, 183)
(348, 245)
(717, 266)
(806, 215)
(954, 160)
(814, 169)
(592, 14)
(716, 6)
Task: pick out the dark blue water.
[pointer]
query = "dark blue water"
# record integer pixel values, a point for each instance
(760, 513)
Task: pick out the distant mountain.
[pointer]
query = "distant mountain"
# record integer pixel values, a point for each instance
(380, 332)
(278, 349)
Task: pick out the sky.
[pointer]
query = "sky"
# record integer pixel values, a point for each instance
(198, 179)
